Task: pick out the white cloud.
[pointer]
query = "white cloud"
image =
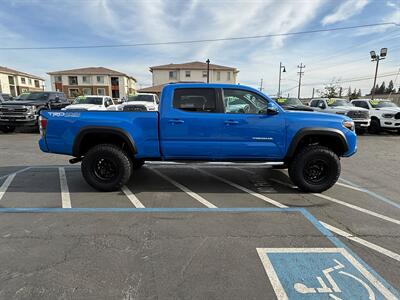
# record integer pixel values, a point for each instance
(344, 11)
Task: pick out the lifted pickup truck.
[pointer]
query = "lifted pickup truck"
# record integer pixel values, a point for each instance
(194, 123)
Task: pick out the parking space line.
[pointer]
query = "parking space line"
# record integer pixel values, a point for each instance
(361, 241)
(6, 184)
(16, 172)
(255, 194)
(135, 201)
(185, 189)
(65, 197)
(363, 210)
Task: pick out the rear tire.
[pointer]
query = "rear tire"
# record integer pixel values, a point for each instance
(7, 128)
(315, 169)
(375, 126)
(360, 131)
(106, 167)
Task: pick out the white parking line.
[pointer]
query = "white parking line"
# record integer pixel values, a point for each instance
(363, 242)
(16, 172)
(5, 185)
(255, 194)
(135, 201)
(65, 197)
(185, 189)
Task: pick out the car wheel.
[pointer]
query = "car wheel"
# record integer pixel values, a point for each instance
(375, 126)
(106, 167)
(360, 131)
(137, 163)
(315, 169)
(7, 128)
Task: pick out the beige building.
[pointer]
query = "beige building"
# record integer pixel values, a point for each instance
(14, 82)
(93, 81)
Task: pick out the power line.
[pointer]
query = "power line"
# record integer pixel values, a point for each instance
(200, 41)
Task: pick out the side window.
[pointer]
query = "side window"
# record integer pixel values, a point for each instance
(195, 100)
(314, 103)
(360, 104)
(243, 102)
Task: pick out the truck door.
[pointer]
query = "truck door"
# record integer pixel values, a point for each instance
(247, 131)
(190, 129)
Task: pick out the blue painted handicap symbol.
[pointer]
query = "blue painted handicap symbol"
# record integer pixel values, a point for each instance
(320, 273)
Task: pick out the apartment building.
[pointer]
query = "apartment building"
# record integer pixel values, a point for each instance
(15, 82)
(93, 81)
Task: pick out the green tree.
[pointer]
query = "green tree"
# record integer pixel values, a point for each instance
(359, 93)
(390, 88)
(354, 95)
(330, 91)
(381, 89)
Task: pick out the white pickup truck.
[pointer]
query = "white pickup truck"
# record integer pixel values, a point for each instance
(91, 102)
(139, 102)
(384, 114)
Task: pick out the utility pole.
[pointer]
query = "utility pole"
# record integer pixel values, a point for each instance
(261, 85)
(208, 70)
(280, 75)
(301, 67)
(377, 58)
(313, 89)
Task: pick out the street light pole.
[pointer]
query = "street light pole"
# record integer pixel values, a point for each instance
(208, 70)
(377, 58)
(280, 75)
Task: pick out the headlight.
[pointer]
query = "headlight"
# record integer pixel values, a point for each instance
(341, 112)
(31, 109)
(388, 116)
(349, 125)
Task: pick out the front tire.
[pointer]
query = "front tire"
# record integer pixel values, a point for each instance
(360, 131)
(106, 167)
(375, 126)
(315, 169)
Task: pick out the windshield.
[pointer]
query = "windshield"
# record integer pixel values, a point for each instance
(88, 100)
(337, 102)
(146, 98)
(380, 104)
(288, 101)
(23, 96)
(37, 96)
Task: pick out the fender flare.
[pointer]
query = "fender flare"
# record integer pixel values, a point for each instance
(102, 129)
(309, 131)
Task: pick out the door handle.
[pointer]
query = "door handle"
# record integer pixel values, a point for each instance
(231, 122)
(176, 121)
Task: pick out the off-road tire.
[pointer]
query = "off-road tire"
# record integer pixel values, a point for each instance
(122, 167)
(7, 128)
(137, 163)
(303, 163)
(375, 126)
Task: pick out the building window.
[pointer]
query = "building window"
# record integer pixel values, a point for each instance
(37, 83)
(187, 73)
(10, 80)
(72, 80)
(101, 92)
(73, 93)
(173, 75)
(100, 79)
(85, 79)
(23, 80)
(58, 79)
(205, 74)
(30, 81)
(228, 76)
(87, 91)
(218, 76)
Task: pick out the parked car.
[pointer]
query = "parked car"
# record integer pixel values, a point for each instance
(143, 101)
(91, 102)
(339, 106)
(193, 124)
(292, 104)
(384, 114)
(25, 112)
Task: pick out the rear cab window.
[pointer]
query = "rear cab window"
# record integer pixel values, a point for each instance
(196, 100)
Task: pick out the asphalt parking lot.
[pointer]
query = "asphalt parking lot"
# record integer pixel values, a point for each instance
(202, 231)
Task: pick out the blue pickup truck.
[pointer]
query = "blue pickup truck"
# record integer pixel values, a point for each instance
(201, 122)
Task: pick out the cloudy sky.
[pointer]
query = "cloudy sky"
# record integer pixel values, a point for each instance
(338, 56)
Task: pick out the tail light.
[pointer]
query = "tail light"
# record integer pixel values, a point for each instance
(42, 125)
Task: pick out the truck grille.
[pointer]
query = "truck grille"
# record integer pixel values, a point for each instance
(12, 110)
(358, 114)
(397, 116)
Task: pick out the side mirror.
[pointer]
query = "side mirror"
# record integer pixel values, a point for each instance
(271, 109)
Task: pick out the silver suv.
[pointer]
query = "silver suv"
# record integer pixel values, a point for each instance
(340, 106)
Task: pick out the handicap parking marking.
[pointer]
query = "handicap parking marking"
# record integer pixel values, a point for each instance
(320, 273)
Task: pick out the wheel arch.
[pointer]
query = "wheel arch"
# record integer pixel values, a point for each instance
(329, 137)
(95, 135)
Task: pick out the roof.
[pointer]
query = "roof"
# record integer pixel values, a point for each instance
(152, 89)
(194, 65)
(15, 72)
(90, 71)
